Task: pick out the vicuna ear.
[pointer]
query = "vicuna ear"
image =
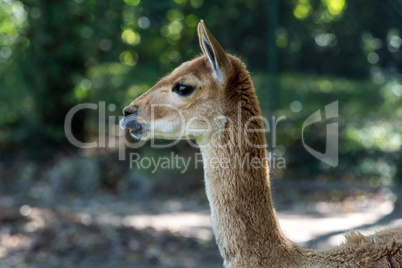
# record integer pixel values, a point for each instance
(216, 55)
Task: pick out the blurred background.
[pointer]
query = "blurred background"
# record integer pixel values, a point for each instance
(61, 205)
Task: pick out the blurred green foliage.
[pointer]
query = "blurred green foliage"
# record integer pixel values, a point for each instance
(56, 54)
(370, 133)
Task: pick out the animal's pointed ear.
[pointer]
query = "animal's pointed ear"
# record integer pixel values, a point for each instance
(217, 56)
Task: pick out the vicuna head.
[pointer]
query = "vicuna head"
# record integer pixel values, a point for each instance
(194, 101)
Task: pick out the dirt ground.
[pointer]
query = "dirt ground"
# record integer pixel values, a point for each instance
(106, 230)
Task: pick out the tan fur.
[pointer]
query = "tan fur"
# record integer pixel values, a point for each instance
(242, 212)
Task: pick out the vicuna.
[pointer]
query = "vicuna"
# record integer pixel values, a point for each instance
(208, 90)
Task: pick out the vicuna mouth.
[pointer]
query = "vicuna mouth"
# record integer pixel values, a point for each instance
(135, 128)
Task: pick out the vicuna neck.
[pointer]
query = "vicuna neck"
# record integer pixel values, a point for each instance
(238, 188)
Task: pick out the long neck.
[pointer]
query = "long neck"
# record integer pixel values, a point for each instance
(238, 189)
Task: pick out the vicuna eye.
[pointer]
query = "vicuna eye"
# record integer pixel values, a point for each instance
(183, 90)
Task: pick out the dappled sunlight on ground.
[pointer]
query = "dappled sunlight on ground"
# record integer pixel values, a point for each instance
(121, 231)
(187, 224)
(301, 229)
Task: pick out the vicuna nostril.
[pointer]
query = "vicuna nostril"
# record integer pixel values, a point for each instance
(129, 111)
